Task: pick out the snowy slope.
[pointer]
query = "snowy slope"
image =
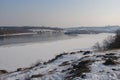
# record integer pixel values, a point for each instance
(80, 65)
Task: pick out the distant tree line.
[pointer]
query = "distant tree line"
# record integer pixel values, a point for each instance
(22, 29)
(12, 30)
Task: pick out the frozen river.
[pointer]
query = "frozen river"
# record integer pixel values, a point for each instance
(14, 56)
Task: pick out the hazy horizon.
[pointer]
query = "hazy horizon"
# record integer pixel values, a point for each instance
(59, 13)
(57, 26)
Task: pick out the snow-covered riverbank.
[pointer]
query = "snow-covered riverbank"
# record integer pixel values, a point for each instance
(17, 34)
(79, 65)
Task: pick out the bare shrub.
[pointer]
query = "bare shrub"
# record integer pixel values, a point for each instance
(111, 42)
(97, 46)
(115, 43)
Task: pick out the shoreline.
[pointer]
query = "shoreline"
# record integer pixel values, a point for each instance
(16, 34)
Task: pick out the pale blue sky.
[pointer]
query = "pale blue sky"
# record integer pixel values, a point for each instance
(60, 13)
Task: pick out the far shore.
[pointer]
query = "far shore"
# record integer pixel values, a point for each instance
(17, 34)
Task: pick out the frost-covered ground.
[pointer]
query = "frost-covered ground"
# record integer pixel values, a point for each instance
(79, 65)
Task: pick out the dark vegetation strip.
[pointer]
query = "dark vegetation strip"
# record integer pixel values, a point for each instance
(110, 43)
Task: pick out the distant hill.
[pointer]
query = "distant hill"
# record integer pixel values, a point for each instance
(90, 30)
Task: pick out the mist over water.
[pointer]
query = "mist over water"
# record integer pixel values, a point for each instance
(14, 55)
